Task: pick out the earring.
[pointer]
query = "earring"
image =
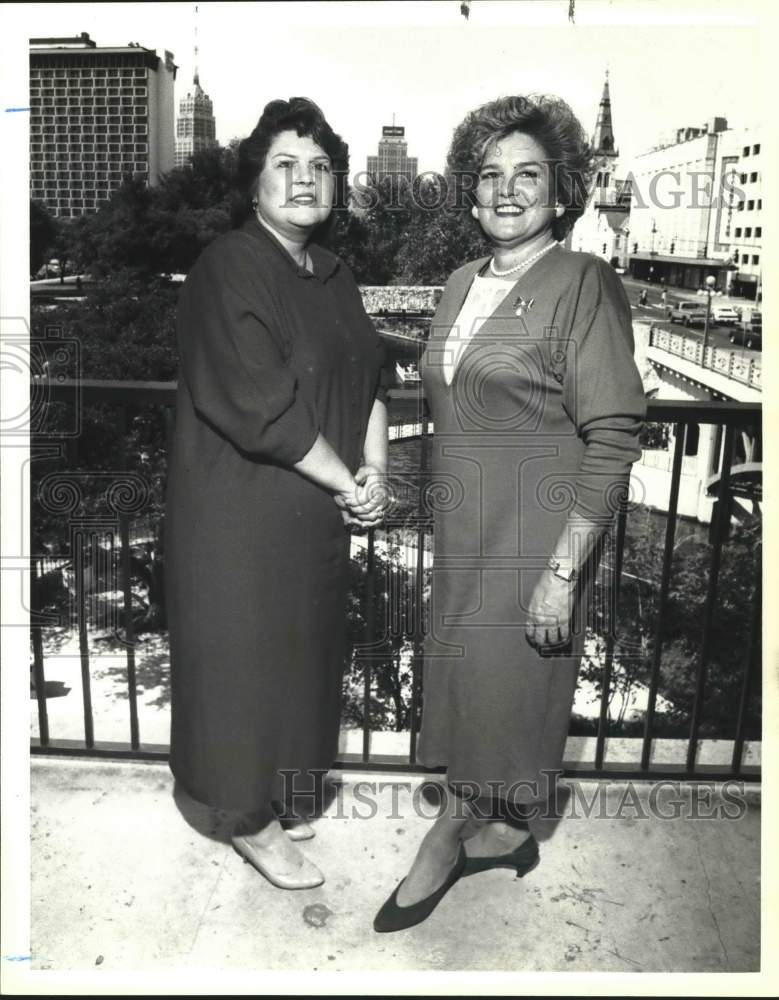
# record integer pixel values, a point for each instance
(475, 211)
(255, 203)
(560, 211)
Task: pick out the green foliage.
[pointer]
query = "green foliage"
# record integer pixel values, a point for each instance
(406, 234)
(158, 230)
(683, 622)
(43, 235)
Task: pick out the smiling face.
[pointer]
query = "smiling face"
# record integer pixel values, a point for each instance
(513, 200)
(295, 187)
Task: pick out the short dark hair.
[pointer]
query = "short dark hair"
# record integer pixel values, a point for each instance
(552, 124)
(298, 114)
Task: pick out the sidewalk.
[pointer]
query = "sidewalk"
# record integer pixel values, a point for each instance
(127, 877)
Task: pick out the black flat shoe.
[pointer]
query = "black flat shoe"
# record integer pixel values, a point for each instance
(522, 859)
(392, 917)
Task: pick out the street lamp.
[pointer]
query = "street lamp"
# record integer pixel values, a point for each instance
(710, 283)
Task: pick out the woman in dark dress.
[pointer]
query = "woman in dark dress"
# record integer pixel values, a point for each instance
(280, 441)
(537, 405)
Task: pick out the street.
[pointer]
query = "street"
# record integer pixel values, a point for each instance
(652, 312)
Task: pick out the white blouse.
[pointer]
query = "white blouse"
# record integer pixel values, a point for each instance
(483, 298)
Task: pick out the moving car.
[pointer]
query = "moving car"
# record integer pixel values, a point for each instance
(688, 313)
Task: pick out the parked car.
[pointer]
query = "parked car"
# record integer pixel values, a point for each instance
(725, 315)
(688, 313)
(746, 337)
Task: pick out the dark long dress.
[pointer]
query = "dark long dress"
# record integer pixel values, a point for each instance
(542, 416)
(256, 554)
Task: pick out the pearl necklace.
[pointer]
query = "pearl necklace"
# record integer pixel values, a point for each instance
(522, 263)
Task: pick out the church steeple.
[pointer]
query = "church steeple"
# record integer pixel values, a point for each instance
(603, 139)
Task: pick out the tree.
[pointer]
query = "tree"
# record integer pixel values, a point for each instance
(159, 230)
(43, 234)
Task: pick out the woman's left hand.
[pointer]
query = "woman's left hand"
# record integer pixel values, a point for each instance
(549, 624)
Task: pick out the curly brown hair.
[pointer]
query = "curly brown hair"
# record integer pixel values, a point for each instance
(552, 124)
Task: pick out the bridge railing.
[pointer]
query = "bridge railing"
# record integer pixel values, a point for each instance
(732, 364)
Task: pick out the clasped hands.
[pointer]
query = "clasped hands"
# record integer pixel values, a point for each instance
(367, 503)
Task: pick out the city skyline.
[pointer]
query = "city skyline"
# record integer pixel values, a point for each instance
(362, 64)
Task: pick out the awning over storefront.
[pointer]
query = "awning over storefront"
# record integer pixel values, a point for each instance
(708, 262)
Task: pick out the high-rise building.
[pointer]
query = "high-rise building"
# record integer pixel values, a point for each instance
(697, 209)
(392, 159)
(196, 126)
(98, 115)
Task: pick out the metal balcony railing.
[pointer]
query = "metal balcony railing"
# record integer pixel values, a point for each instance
(122, 502)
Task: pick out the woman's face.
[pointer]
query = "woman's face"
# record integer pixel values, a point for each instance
(513, 201)
(296, 185)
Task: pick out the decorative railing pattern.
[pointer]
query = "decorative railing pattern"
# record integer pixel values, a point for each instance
(732, 364)
(419, 300)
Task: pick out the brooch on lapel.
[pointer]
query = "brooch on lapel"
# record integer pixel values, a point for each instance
(521, 306)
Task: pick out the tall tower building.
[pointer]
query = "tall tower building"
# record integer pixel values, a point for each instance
(97, 116)
(196, 126)
(392, 159)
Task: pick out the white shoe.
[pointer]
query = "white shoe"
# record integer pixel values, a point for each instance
(304, 876)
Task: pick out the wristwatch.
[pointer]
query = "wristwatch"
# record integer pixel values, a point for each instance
(567, 571)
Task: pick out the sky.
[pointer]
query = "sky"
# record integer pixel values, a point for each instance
(670, 63)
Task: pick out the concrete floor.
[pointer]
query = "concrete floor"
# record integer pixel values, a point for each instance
(125, 876)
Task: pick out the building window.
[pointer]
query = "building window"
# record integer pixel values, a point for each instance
(750, 205)
(756, 149)
(755, 258)
(745, 151)
(758, 230)
(743, 178)
(735, 257)
(753, 176)
(738, 231)
(759, 202)
(748, 231)
(740, 206)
